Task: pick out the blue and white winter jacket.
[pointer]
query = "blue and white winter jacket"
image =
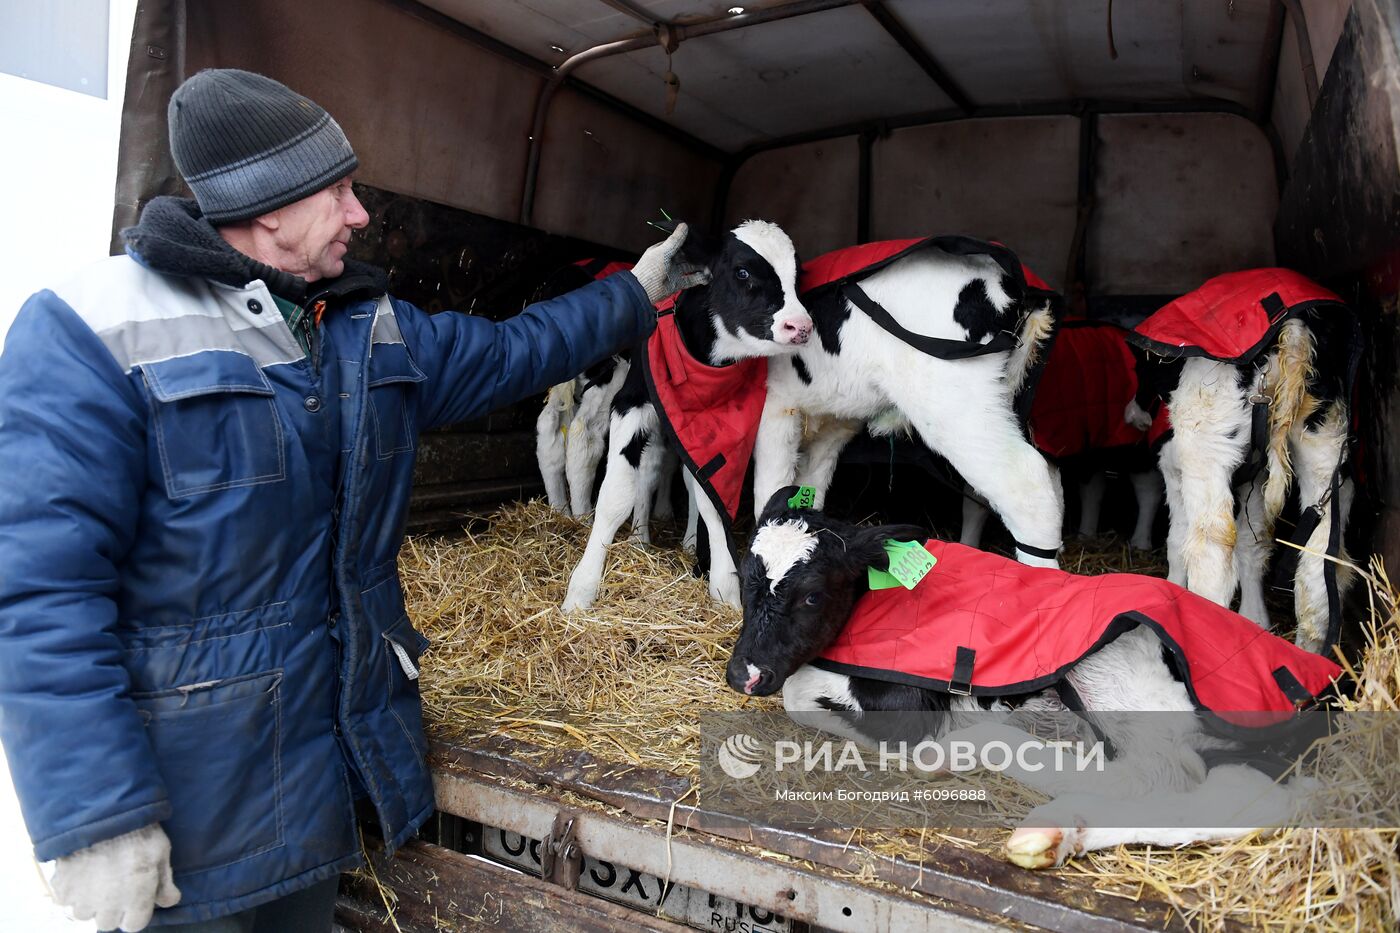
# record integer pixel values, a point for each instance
(201, 620)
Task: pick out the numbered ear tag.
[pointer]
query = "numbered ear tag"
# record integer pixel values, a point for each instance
(910, 562)
(804, 498)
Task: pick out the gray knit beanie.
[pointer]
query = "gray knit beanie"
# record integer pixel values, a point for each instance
(247, 144)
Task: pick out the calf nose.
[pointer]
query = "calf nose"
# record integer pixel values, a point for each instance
(748, 678)
(795, 331)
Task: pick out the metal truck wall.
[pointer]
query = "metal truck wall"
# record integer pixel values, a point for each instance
(809, 190)
(1179, 197)
(1339, 221)
(1291, 107)
(437, 117)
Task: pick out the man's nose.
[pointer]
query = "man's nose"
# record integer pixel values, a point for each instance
(356, 216)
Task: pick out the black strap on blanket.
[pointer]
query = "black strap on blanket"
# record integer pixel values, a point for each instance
(961, 681)
(1297, 694)
(940, 347)
(1070, 698)
(1258, 450)
(710, 468)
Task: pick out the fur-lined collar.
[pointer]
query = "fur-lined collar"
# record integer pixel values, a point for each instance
(174, 238)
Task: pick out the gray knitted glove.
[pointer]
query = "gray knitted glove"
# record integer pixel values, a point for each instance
(663, 272)
(119, 881)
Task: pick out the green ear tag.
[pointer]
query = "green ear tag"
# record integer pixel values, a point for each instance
(910, 562)
(804, 498)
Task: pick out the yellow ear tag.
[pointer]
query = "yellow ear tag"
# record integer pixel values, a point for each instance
(910, 562)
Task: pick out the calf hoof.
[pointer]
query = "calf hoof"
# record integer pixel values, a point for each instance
(688, 544)
(1140, 544)
(1036, 847)
(576, 600)
(725, 589)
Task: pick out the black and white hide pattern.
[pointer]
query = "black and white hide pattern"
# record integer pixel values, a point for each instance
(749, 308)
(802, 576)
(571, 432)
(1089, 469)
(1214, 546)
(856, 373)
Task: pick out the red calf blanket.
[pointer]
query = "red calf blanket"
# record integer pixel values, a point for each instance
(982, 624)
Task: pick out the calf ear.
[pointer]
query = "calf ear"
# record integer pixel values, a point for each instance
(867, 547)
(777, 503)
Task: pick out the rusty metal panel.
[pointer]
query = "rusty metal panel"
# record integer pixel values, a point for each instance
(1179, 198)
(428, 113)
(809, 190)
(965, 881)
(155, 67)
(603, 176)
(1012, 180)
(437, 889)
(1339, 222)
(1325, 19)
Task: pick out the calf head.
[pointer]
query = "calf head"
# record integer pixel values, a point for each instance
(801, 577)
(749, 307)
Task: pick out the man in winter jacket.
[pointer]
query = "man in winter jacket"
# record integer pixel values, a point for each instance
(207, 447)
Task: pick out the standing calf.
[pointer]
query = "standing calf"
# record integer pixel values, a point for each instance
(1256, 370)
(979, 632)
(938, 335)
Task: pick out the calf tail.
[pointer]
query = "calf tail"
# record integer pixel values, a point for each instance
(1032, 343)
(1288, 376)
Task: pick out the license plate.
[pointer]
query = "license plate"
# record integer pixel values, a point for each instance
(640, 891)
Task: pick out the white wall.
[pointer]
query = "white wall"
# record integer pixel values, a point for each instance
(59, 165)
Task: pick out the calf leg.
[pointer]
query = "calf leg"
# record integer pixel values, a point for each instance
(664, 509)
(1255, 541)
(692, 513)
(822, 453)
(1090, 502)
(775, 450)
(987, 448)
(615, 502)
(1147, 486)
(648, 480)
(724, 576)
(1176, 513)
(1207, 548)
(1316, 452)
(1233, 801)
(588, 441)
(974, 518)
(550, 447)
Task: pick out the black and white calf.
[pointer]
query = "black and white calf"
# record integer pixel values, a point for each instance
(860, 372)
(748, 309)
(801, 579)
(1221, 531)
(1076, 421)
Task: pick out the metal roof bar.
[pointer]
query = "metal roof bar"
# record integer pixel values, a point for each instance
(668, 36)
(921, 56)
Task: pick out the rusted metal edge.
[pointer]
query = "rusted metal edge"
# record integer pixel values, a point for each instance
(793, 891)
(955, 875)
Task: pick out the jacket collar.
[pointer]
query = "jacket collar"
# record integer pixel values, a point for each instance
(174, 238)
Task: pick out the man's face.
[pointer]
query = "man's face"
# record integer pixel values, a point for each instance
(314, 233)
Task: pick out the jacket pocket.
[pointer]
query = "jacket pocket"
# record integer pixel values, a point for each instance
(215, 423)
(404, 647)
(219, 748)
(392, 376)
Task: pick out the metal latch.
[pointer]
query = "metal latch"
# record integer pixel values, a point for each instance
(561, 859)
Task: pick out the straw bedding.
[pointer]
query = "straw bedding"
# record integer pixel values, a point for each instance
(624, 680)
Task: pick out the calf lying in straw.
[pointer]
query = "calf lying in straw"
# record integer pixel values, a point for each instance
(970, 632)
(1256, 371)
